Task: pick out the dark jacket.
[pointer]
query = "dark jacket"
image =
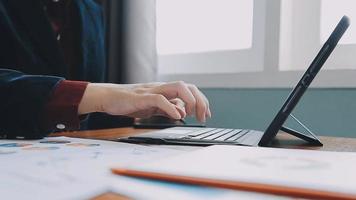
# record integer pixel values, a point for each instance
(32, 64)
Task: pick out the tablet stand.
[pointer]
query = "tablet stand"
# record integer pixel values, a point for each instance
(309, 138)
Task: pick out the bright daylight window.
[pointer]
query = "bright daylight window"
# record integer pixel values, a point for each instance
(305, 26)
(191, 26)
(252, 43)
(206, 36)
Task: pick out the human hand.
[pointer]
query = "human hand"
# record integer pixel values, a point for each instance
(174, 99)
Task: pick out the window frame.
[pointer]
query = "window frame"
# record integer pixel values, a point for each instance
(266, 46)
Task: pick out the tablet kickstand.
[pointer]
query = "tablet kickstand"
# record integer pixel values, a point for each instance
(312, 138)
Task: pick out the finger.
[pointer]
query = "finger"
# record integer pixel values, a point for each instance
(181, 111)
(177, 102)
(178, 90)
(180, 106)
(208, 113)
(201, 103)
(163, 104)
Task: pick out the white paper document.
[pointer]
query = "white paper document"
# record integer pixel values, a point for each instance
(68, 168)
(305, 169)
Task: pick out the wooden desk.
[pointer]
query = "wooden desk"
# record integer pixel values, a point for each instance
(283, 140)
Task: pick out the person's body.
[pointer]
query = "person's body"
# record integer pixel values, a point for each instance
(42, 49)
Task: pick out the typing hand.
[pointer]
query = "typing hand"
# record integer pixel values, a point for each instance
(174, 99)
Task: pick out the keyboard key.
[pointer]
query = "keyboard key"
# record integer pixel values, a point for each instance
(219, 134)
(228, 135)
(207, 134)
(200, 132)
(237, 136)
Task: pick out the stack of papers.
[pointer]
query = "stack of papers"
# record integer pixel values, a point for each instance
(69, 168)
(301, 173)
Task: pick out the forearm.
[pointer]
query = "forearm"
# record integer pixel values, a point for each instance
(92, 99)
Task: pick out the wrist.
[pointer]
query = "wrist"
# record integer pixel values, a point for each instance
(92, 99)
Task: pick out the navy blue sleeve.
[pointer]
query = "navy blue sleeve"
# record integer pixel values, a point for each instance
(22, 101)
